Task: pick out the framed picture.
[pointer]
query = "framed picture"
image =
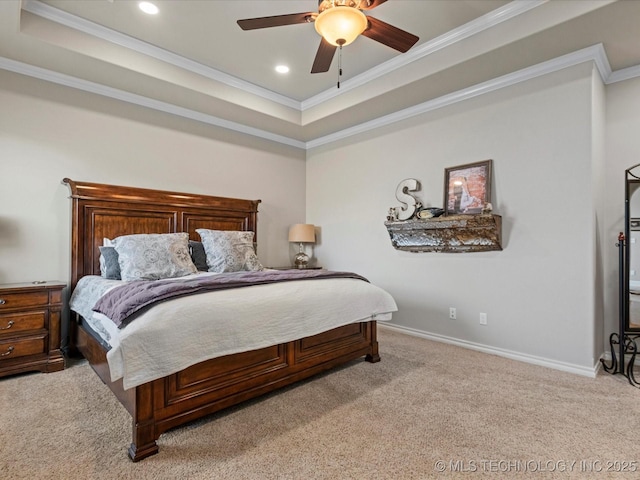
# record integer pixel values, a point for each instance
(634, 224)
(467, 188)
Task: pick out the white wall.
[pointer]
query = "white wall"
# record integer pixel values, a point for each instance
(49, 132)
(546, 294)
(600, 238)
(540, 291)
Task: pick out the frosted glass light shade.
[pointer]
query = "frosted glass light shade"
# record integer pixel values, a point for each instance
(340, 25)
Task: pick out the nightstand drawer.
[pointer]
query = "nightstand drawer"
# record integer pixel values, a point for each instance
(13, 323)
(30, 327)
(21, 347)
(25, 299)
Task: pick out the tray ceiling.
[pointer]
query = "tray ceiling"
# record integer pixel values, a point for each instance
(193, 60)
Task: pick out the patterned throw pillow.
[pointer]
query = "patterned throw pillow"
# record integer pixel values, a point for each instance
(229, 251)
(154, 256)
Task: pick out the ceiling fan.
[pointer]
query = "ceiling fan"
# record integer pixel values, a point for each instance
(339, 22)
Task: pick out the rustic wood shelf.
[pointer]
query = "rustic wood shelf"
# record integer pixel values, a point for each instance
(453, 233)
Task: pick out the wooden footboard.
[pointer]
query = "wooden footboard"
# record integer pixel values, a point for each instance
(215, 384)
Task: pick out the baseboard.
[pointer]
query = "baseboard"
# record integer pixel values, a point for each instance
(522, 357)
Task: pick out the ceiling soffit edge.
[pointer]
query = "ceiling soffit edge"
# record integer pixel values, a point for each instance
(74, 22)
(136, 99)
(594, 54)
(624, 74)
(167, 80)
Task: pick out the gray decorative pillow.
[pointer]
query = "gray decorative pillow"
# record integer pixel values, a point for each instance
(198, 255)
(109, 266)
(154, 256)
(229, 251)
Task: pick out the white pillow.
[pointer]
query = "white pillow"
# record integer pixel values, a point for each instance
(152, 256)
(229, 251)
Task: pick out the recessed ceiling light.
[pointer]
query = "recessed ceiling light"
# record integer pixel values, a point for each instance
(148, 7)
(282, 69)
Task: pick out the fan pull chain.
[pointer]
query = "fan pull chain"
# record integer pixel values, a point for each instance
(339, 65)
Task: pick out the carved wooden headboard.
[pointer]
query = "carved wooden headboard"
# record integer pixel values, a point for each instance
(108, 211)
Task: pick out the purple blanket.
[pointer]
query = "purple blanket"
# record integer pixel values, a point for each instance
(122, 302)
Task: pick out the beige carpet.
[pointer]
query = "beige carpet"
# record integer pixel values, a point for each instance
(424, 403)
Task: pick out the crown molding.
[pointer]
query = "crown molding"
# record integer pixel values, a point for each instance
(117, 94)
(594, 53)
(624, 74)
(95, 30)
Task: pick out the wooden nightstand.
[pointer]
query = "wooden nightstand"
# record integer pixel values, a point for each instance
(30, 327)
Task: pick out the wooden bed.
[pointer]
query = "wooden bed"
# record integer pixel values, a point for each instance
(100, 211)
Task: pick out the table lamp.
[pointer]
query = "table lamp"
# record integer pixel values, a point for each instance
(302, 233)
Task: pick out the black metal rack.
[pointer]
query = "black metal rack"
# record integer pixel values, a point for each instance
(623, 341)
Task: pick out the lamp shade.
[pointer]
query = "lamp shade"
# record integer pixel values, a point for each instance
(340, 25)
(302, 233)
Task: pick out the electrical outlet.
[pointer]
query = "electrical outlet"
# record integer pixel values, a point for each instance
(452, 313)
(483, 319)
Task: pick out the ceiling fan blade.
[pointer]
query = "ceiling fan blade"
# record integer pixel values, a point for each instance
(389, 35)
(275, 21)
(324, 56)
(372, 4)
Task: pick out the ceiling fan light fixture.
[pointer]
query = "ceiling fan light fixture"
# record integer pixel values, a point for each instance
(340, 25)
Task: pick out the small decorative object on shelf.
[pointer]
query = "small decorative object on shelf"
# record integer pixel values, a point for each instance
(429, 212)
(30, 327)
(409, 203)
(467, 188)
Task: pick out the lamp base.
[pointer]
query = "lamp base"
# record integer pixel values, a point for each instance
(301, 260)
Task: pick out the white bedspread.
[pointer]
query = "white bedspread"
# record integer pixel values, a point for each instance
(176, 334)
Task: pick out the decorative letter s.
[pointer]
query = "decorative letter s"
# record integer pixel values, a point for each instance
(409, 202)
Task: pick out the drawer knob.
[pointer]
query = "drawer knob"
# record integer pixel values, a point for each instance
(9, 325)
(2, 301)
(8, 352)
